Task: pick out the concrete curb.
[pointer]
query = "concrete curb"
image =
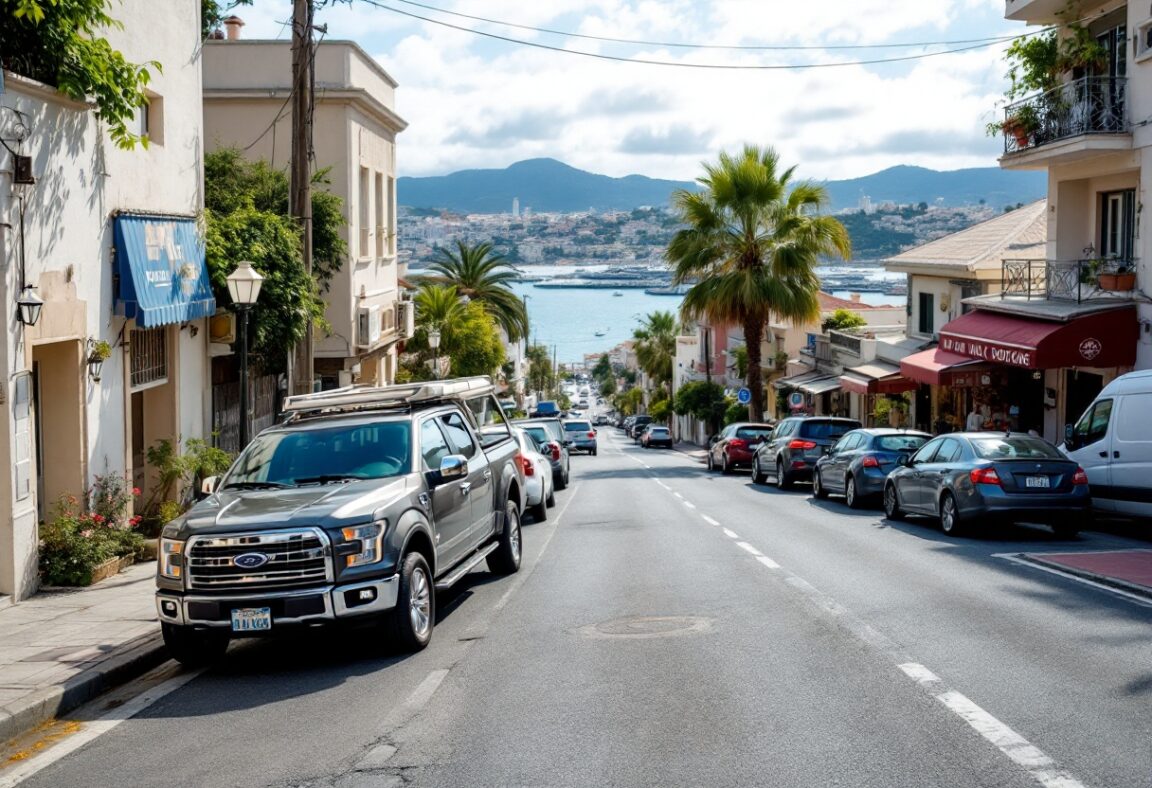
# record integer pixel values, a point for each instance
(1104, 580)
(132, 660)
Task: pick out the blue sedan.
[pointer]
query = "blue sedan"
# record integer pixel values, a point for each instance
(859, 463)
(987, 476)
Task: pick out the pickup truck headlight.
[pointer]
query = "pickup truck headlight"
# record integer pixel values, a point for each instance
(171, 558)
(370, 537)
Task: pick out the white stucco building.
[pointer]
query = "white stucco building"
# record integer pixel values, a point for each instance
(109, 238)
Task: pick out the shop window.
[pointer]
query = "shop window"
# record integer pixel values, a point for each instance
(148, 354)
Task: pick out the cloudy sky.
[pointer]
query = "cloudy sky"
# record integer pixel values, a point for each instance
(475, 101)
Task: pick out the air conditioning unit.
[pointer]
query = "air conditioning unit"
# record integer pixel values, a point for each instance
(368, 326)
(406, 318)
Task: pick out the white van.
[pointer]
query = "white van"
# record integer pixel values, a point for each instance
(1113, 444)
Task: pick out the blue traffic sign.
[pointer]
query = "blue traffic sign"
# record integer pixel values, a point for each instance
(743, 396)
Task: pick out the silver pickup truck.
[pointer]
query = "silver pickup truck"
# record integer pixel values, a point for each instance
(356, 508)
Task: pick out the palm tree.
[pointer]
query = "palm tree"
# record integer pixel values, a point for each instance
(481, 275)
(656, 345)
(751, 246)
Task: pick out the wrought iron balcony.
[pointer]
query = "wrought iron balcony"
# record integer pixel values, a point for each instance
(1090, 105)
(1069, 280)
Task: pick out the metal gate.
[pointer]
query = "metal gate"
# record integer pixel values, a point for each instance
(226, 410)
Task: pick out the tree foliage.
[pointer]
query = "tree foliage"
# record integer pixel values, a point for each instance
(750, 248)
(701, 400)
(540, 373)
(841, 320)
(656, 345)
(469, 337)
(482, 275)
(61, 43)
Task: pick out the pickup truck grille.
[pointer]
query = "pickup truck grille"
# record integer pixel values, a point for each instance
(297, 558)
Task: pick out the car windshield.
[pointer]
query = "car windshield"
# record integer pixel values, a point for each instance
(577, 426)
(1013, 447)
(539, 434)
(900, 442)
(324, 455)
(752, 433)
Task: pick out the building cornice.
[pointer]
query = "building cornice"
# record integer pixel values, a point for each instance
(358, 97)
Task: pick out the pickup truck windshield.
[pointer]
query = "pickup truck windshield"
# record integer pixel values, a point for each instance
(323, 456)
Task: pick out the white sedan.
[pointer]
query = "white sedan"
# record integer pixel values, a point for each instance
(539, 493)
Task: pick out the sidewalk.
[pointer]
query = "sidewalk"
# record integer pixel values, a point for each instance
(1130, 570)
(696, 452)
(63, 647)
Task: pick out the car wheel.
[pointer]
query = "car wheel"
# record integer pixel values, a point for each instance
(411, 621)
(1065, 530)
(539, 511)
(561, 481)
(551, 500)
(594, 452)
(758, 476)
(851, 497)
(892, 503)
(818, 489)
(949, 515)
(724, 466)
(193, 648)
(782, 480)
(505, 559)
(711, 462)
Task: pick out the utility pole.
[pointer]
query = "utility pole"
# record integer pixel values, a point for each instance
(301, 187)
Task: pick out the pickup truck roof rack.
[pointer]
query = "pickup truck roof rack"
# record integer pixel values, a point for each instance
(353, 398)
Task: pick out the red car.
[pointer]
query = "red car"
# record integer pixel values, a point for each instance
(736, 445)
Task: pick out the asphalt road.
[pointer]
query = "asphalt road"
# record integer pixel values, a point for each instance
(671, 627)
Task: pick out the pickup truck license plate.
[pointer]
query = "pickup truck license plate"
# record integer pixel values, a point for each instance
(251, 619)
(1036, 481)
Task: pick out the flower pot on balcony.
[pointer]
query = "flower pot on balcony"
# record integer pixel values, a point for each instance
(1018, 130)
(1117, 282)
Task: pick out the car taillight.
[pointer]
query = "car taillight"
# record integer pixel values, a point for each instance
(526, 464)
(796, 443)
(870, 462)
(592, 434)
(555, 450)
(1079, 477)
(984, 476)
(738, 443)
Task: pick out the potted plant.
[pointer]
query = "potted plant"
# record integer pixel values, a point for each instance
(1122, 279)
(1022, 122)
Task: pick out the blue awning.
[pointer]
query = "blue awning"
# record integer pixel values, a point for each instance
(163, 277)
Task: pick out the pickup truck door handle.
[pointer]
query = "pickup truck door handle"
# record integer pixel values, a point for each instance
(465, 487)
(487, 475)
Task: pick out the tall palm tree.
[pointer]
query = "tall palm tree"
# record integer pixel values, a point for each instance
(482, 275)
(656, 345)
(437, 307)
(751, 246)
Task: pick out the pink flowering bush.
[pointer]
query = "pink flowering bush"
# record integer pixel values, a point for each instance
(77, 538)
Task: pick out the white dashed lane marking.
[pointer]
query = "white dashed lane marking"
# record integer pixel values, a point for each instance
(689, 504)
(731, 534)
(709, 520)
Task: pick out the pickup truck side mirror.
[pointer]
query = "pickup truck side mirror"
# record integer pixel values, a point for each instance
(454, 466)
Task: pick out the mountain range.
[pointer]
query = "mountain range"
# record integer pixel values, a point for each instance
(548, 185)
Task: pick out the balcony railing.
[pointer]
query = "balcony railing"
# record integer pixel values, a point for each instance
(1090, 105)
(1068, 280)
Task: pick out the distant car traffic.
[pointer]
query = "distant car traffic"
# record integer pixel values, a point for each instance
(965, 477)
(858, 464)
(795, 445)
(736, 445)
(638, 425)
(582, 435)
(545, 409)
(656, 435)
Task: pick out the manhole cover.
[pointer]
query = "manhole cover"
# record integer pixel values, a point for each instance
(644, 627)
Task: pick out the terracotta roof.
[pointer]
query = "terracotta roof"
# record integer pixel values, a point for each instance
(1021, 233)
(829, 303)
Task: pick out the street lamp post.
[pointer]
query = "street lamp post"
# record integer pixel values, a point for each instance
(244, 287)
(434, 343)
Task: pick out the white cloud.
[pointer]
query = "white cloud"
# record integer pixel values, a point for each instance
(477, 102)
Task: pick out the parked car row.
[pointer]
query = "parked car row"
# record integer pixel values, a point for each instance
(960, 478)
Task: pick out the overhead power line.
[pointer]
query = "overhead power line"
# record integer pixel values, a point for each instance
(684, 45)
(677, 64)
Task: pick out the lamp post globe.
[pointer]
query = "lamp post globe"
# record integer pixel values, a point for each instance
(244, 287)
(29, 306)
(434, 343)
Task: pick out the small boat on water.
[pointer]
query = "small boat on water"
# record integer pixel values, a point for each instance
(617, 293)
(601, 332)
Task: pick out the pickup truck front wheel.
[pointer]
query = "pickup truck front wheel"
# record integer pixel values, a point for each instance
(410, 623)
(193, 648)
(505, 559)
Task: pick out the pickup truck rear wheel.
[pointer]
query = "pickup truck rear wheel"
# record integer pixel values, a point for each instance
(539, 511)
(194, 648)
(505, 559)
(409, 625)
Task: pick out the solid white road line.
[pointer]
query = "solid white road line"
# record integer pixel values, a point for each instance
(731, 534)
(1016, 559)
(98, 727)
(709, 520)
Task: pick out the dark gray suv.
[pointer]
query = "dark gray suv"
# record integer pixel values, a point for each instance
(795, 445)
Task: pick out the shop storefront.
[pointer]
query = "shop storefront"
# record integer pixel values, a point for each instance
(1010, 371)
(867, 384)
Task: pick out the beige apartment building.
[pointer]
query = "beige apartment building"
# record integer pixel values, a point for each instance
(110, 241)
(246, 89)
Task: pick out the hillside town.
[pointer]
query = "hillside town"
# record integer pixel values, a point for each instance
(298, 494)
